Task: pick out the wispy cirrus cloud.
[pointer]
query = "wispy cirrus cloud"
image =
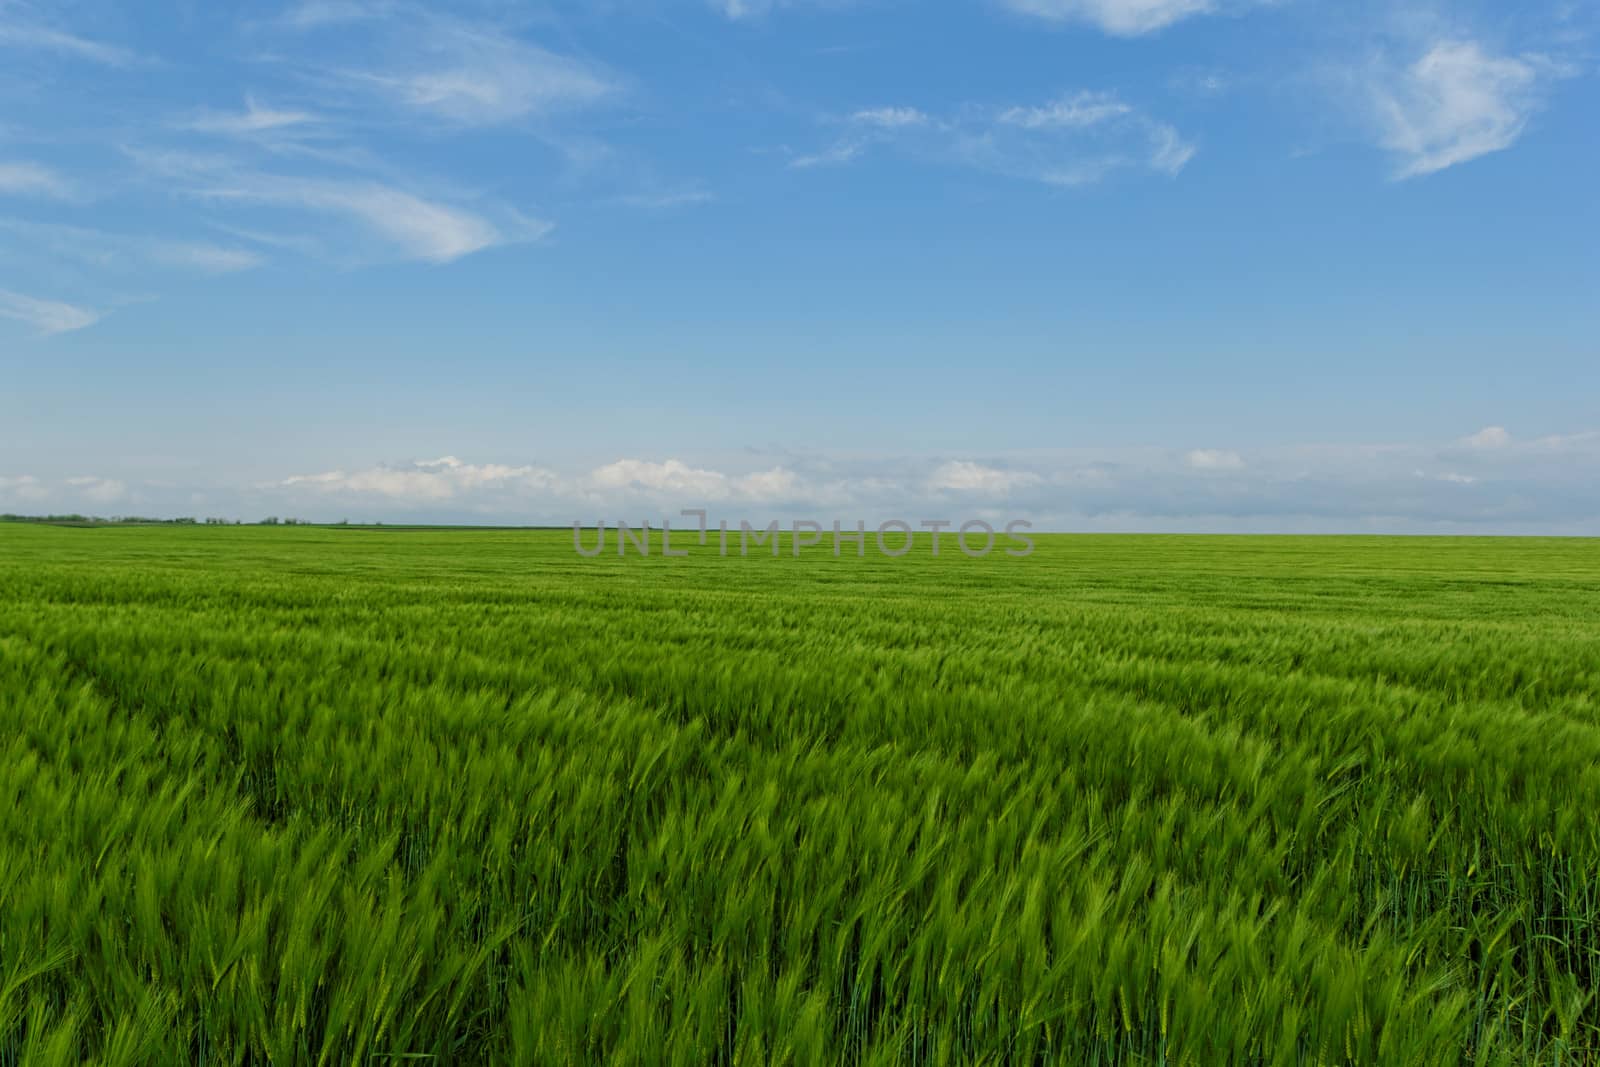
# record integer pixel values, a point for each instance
(1076, 111)
(316, 14)
(890, 118)
(107, 252)
(408, 224)
(836, 154)
(1456, 102)
(663, 200)
(46, 317)
(750, 10)
(1121, 18)
(415, 227)
(32, 179)
(256, 118)
(204, 257)
(20, 33)
(461, 71)
(1076, 139)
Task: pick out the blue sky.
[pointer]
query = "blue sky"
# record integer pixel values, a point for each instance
(1103, 264)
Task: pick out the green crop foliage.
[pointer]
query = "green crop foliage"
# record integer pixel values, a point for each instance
(303, 795)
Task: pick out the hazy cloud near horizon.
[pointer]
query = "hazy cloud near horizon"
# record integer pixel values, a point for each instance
(1489, 481)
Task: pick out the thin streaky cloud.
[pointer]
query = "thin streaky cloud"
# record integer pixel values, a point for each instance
(750, 10)
(1075, 140)
(415, 226)
(473, 75)
(25, 36)
(46, 317)
(1076, 111)
(835, 155)
(127, 252)
(316, 14)
(890, 118)
(680, 198)
(1120, 18)
(254, 119)
(206, 258)
(419, 228)
(32, 179)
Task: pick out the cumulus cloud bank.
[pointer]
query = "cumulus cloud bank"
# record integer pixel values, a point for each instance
(423, 482)
(1489, 481)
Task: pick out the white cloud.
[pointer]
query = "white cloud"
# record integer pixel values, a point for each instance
(46, 316)
(890, 118)
(1077, 139)
(419, 228)
(1169, 152)
(127, 252)
(478, 76)
(1122, 18)
(252, 120)
(675, 476)
(773, 484)
(745, 10)
(1075, 111)
(415, 226)
(965, 476)
(672, 476)
(425, 482)
(1568, 442)
(1214, 459)
(315, 14)
(14, 33)
(207, 258)
(1489, 437)
(1543, 485)
(835, 155)
(1454, 104)
(22, 487)
(664, 200)
(99, 490)
(31, 179)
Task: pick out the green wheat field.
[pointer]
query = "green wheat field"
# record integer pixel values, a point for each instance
(320, 795)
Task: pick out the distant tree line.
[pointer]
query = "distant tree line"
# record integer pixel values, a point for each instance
(141, 520)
